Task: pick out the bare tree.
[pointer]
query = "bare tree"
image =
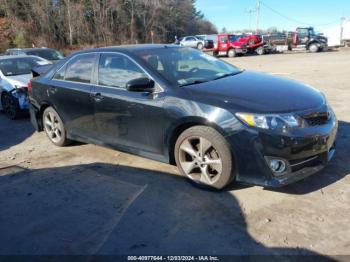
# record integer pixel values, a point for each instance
(60, 23)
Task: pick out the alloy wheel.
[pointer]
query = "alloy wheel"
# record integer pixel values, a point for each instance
(53, 127)
(200, 160)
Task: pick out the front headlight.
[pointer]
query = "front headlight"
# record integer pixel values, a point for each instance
(270, 121)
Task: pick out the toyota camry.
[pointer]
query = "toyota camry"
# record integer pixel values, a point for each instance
(177, 105)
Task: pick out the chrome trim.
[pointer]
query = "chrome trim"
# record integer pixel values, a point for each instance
(305, 161)
(106, 52)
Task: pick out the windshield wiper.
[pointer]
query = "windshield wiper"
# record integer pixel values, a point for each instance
(208, 80)
(226, 75)
(194, 83)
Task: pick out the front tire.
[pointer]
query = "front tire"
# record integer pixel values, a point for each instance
(200, 46)
(10, 106)
(54, 127)
(313, 48)
(203, 155)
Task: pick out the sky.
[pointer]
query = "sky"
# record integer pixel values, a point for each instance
(283, 14)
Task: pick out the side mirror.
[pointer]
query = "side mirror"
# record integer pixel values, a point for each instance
(142, 84)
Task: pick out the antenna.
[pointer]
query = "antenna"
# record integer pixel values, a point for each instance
(258, 5)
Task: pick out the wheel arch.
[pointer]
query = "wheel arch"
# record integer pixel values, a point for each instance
(312, 42)
(177, 130)
(40, 113)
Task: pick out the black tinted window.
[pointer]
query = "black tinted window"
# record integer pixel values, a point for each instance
(19, 66)
(116, 70)
(49, 54)
(80, 69)
(190, 39)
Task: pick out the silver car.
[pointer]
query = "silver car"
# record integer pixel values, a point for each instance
(193, 41)
(15, 73)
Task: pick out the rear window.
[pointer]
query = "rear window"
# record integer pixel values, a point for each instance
(19, 66)
(49, 54)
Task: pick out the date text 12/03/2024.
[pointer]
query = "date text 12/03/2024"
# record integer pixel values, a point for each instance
(173, 258)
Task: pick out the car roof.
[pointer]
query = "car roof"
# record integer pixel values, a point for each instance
(30, 49)
(36, 49)
(17, 56)
(128, 48)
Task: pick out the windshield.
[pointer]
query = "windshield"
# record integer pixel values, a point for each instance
(234, 38)
(312, 31)
(186, 66)
(19, 66)
(49, 54)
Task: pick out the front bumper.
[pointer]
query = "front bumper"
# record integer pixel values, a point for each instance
(306, 151)
(21, 95)
(241, 50)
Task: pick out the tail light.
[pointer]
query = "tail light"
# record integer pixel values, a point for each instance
(29, 86)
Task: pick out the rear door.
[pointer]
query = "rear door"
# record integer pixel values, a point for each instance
(70, 93)
(124, 119)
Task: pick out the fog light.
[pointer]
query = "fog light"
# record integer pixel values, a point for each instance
(277, 165)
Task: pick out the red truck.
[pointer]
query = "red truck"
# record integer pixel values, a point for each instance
(226, 45)
(231, 45)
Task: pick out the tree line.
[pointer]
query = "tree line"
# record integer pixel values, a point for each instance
(62, 23)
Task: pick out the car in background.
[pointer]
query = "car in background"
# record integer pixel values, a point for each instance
(50, 54)
(227, 45)
(178, 105)
(15, 73)
(192, 41)
(253, 42)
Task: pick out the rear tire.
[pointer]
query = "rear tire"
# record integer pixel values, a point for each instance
(10, 106)
(260, 51)
(54, 127)
(203, 155)
(231, 53)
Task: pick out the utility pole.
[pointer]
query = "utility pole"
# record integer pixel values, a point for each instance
(250, 11)
(258, 5)
(342, 20)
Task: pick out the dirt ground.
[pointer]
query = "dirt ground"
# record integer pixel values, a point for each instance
(84, 199)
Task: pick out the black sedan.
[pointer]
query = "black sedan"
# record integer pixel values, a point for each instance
(217, 123)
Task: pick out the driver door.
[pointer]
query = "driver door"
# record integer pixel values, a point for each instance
(125, 119)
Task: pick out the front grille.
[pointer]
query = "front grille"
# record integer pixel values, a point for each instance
(317, 119)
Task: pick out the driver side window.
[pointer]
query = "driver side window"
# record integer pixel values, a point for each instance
(223, 39)
(116, 70)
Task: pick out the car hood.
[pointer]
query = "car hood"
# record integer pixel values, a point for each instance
(19, 80)
(257, 93)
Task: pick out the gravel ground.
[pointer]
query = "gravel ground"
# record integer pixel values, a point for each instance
(84, 199)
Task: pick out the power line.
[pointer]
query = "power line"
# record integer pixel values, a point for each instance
(294, 20)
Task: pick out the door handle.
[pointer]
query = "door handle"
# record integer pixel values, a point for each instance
(53, 89)
(97, 96)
